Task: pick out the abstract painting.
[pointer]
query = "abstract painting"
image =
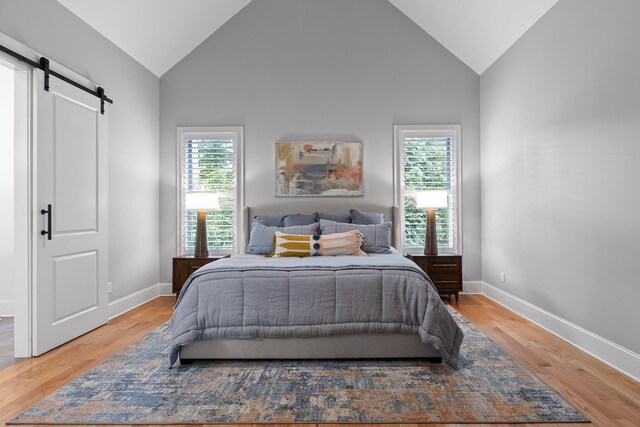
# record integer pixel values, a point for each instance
(319, 168)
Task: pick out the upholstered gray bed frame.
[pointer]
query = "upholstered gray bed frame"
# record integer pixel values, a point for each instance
(391, 213)
(360, 346)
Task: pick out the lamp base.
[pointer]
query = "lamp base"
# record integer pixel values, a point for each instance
(202, 251)
(431, 238)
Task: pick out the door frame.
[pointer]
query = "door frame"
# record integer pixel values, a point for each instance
(23, 202)
(25, 178)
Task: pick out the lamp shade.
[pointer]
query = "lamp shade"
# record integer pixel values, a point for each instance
(201, 201)
(432, 199)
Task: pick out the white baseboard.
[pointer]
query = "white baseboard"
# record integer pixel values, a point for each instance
(6, 307)
(131, 301)
(614, 355)
(472, 287)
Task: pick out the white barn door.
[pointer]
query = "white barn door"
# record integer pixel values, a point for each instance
(70, 175)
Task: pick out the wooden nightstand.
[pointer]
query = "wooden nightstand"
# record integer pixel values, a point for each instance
(184, 265)
(445, 271)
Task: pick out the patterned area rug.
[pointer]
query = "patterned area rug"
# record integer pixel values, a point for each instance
(136, 387)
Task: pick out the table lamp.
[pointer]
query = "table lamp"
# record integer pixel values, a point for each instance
(201, 202)
(431, 200)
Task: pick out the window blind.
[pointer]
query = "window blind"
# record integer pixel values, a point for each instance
(209, 167)
(428, 164)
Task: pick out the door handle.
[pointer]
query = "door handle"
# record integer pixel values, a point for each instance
(48, 211)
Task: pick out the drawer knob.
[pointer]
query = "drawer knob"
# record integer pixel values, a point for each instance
(445, 265)
(445, 281)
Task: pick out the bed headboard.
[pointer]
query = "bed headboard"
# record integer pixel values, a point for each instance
(250, 212)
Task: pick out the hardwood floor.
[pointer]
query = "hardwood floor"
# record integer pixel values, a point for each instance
(606, 396)
(6, 342)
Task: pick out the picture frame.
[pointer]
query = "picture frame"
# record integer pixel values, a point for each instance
(319, 169)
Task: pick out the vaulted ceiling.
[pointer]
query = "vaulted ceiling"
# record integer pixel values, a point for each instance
(156, 33)
(476, 31)
(159, 33)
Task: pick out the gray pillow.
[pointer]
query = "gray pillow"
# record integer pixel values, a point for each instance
(377, 237)
(337, 217)
(298, 219)
(359, 217)
(261, 238)
(270, 220)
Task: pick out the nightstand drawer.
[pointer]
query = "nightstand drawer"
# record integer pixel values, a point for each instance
(184, 273)
(438, 275)
(446, 265)
(196, 264)
(447, 284)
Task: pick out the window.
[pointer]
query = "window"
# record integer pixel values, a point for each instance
(210, 159)
(427, 158)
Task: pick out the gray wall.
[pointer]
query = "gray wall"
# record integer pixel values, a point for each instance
(49, 28)
(320, 69)
(560, 149)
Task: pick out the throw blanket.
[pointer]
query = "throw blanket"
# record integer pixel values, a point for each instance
(249, 296)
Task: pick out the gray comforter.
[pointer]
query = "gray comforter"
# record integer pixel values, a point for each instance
(249, 296)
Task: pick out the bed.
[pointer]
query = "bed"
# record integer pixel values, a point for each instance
(327, 307)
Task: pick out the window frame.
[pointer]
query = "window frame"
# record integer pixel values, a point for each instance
(236, 133)
(399, 133)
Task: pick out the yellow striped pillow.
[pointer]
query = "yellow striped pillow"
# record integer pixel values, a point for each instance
(348, 243)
